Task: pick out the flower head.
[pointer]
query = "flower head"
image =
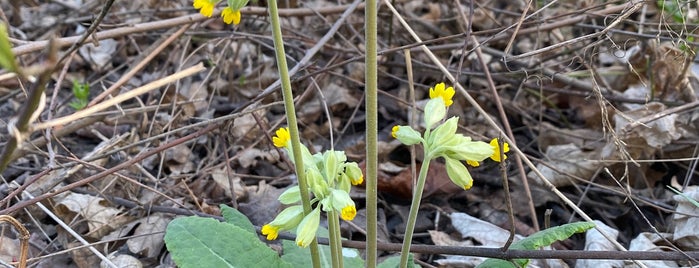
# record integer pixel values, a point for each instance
(282, 137)
(206, 7)
(394, 131)
(270, 231)
(231, 16)
(354, 173)
(306, 231)
(496, 150)
(348, 213)
(446, 93)
(286, 220)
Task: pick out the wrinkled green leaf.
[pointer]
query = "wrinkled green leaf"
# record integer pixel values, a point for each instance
(539, 239)
(393, 262)
(7, 58)
(233, 216)
(301, 257)
(205, 242)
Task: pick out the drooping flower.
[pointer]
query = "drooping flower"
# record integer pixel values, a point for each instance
(306, 231)
(446, 93)
(206, 7)
(473, 163)
(496, 150)
(458, 173)
(288, 219)
(348, 213)
(282, 137)
(270, 231)
(354, 173)
(407, 135)
(231, 16)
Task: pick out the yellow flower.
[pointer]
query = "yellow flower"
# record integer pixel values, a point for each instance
(231, 16)
(394, 130)
(496, 150)
(270, 231)
(446, 93)
(206, 7)
(357, 181)
(348, 213)
(472, 163)
(282, 137)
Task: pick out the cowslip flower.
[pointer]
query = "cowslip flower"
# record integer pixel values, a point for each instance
(306, 231)
(445, 93)
(443, 141)
(288, 219)
(282, 137)
(231, 16)
(206, 7)
(496, 150)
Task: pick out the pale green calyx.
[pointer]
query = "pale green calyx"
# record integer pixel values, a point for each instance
(306, 231)
(435, 111)
(407, 135)
(290, 196)
(458, 173)
(289, 218)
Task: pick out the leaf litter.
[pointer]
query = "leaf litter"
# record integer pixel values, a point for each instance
(610, 122)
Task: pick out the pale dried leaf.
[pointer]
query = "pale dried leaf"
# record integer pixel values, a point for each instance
(595, 241)
(101, 219)
(9, 249)
(220, 177)
(122, 261)
(566, 159)
(148, 236)
(686, 231)
(647, 242)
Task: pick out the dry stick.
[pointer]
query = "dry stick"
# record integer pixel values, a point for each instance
(308, 55)
(89, 31)
(120, 98)
(124, 78)
(624, 15)
(114, 169)
(494, 125)
(18, 127)
(508, 129)
(23, 238)
(168, 23)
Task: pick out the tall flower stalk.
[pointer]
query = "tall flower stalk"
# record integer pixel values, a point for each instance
(441, 140)
(291, 121)
(371, 85)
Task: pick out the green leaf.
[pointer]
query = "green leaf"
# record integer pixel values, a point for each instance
(393, 262)
(233, 216)
(204, 242)
(301, 257)
(540, 239)
(7, 58)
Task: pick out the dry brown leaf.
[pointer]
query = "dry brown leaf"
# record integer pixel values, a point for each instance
(9, 249)
(101, 219)
(148, 236)
(566, 159)
(220, 177)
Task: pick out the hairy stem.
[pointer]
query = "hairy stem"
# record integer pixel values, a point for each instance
(291, 119)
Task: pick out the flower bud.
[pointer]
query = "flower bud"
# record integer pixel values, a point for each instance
(306, 231)
(458, 173)
(406, 135)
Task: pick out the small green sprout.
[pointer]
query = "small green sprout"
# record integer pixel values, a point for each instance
(81, 91)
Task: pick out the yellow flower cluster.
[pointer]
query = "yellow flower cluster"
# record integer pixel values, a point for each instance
(230, 14)
(329, 176)
(441, 140)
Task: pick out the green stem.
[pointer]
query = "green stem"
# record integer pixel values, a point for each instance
(291, 119)
(414, 207)
(335, 239)
(371, 85)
